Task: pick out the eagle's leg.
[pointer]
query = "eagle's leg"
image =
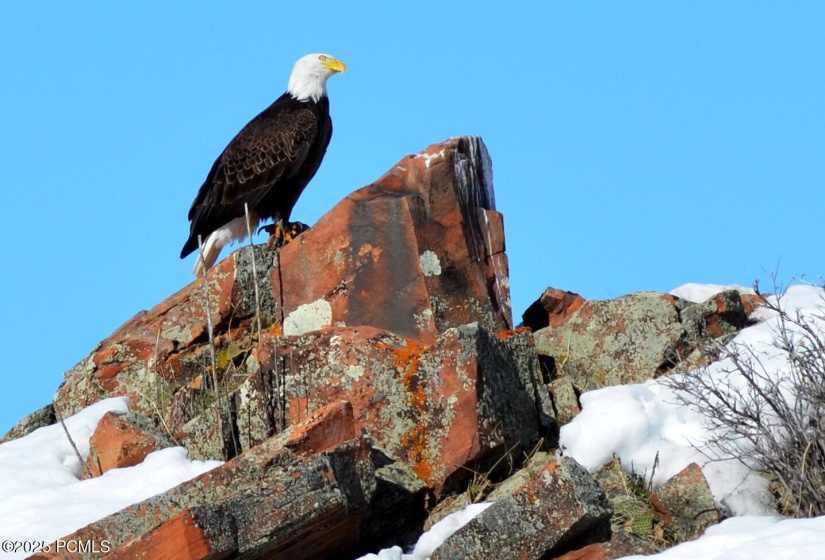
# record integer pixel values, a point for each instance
(281, 233)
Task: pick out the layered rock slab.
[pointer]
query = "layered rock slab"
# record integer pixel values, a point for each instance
(301, 495)
(549, 504)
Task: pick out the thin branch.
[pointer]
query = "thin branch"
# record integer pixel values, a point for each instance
(211, 332)
(86, 473)
(254, 271)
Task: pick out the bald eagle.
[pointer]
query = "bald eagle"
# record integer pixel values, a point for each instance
(267, 165)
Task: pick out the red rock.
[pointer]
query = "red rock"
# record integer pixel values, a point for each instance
(270, 502)
(553, 308)
(595, 551)
(179, 538)
(417, 252)
(121, 441)
(751, 302)
(560, 305)
(620, 545)
(329, 427)
(685, 504)
(437, 407)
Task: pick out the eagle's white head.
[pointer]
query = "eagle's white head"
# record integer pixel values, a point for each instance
(310, 74)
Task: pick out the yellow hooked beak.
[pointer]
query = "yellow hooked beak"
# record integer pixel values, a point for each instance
(335, 65)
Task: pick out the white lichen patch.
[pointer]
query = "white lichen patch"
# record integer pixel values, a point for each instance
(354, 372)
(424, 321)
(430, 265)
(428, 158)
(308, 317)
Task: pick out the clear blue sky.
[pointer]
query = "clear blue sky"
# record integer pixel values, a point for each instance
(635, 146)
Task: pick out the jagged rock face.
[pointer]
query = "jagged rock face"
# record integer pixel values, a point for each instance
(397, 302)
(416, 253)
(437, 407)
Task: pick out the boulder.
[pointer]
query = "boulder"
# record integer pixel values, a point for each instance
(416, 253)
(39, 418)
(553, 308)
(685, 504)
(623, 340)
(635, 337)
(123, 440)
(440, 408)
(551, 502)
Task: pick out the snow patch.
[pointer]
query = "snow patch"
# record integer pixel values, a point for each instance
(308, 317)
(754, 538)
(433, 538)
(42, 497)
(637, 422)
(697, 293)
(430, 265)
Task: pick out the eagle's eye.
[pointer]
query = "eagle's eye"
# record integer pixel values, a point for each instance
(322, 58)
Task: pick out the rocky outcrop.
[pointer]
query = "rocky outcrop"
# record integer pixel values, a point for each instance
(365, 380)
(396, 265)
(397, 303)
(632, 338)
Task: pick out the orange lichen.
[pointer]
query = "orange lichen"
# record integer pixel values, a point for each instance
(407, 362)
(504, 335)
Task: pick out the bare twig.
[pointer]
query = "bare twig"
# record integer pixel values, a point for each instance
(280, 373)
(254, 271)
(211, 332)
(769, 420)
(86, 473)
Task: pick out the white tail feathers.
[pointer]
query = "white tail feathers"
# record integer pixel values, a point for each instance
(218, 239)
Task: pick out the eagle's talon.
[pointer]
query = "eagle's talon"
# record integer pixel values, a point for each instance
(280, 234)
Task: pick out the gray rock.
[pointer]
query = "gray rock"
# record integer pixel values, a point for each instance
(557, 503)
(686, 505)
(624, 340)
(39, 418)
